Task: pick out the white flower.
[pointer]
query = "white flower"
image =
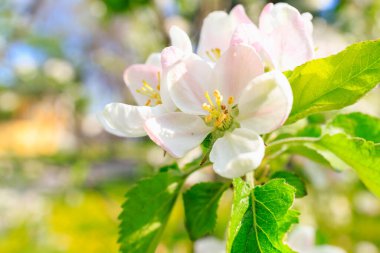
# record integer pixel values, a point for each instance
(147, 84)
(283, 38)
(302, 240)
(233, 99)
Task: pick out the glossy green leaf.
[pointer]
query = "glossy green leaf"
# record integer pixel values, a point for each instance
(261, 217)
(146, 211)
(294, 181)
(336, 81)
(358, 125)
(363, 156)
(201, 203)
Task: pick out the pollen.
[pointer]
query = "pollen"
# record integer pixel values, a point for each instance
(152, 94)
(214, 54)
(219, 114)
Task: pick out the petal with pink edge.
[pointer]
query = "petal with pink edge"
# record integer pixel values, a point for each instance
(188, 81)
(235, 69)
(250, 35)
(266, 103)
(127, 120)
(134, 77)
(237, 153)
(239, 14)
(154, 59)
(288, 33)
(180, 39)
(177, 132)
(216, 33)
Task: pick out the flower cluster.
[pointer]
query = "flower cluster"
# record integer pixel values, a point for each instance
(231, 90)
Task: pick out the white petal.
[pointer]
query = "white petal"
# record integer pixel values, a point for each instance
(134, 77)
(237, 153)
(266, 103)
(216, 32)
(249, 34)
(127, 120)
(239, 14)
(154, 59)
(180, 39)
(177, 132)
(188, 81)
(169, 57)
(235, 70)
(288, 33)
(302, 238)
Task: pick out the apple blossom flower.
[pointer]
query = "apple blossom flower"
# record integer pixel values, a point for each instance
(302, 239)
(283, 38)
(147, 84)
(233, 100)
(217, 30)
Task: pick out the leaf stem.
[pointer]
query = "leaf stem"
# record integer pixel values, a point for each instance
(249, 178)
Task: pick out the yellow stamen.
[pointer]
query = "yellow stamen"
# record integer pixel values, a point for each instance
(209, 99)
(219, 114)
(217, 52)
(230, 100)
(158, 81)
(209, 55)
(153, 94)
(214, 54)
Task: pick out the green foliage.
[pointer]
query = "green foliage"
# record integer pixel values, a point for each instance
(201, 203)
(146, 211)
(336, 81)
(294, 181)
(118, 6)
(358, 125)
(363, 156)
(261, 217)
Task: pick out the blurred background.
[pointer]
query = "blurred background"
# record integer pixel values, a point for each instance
(62, 178)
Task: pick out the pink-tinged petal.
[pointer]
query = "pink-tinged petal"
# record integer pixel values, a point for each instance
(180, 39)
(169, 57)
(250, 35)
(216, 33)
(237, 153)
(154, 59)
(127, 120)
(188, 81)
(177, 132)
(288, 35)
(246, 34)
(239, 14)
(134, 77)
(235, 69)
(266, 103)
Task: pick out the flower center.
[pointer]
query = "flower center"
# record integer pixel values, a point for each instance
(153, 94)
(214, 54)
(219, 115)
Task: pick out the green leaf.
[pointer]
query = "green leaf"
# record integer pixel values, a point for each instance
(146, 211)
(201, 203)
(294, 181)
(336, 81)
(261, 217)
(363, 156)
(358, 125)
(308, 152)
